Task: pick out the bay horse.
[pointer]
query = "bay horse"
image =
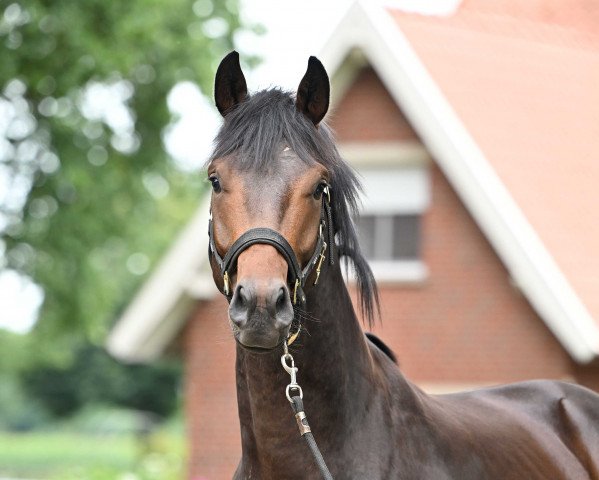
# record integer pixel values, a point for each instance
(283, 201)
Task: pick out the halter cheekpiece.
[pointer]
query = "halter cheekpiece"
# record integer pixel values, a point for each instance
(297, 276)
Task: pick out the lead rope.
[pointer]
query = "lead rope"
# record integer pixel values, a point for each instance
(297, 405)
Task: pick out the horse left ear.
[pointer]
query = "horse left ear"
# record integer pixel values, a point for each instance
(229, 85)
(312, 97)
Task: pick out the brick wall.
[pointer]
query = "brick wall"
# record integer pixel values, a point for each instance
(210, 395)
(368, 113)
(466, 323)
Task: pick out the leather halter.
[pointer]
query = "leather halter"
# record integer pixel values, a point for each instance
(296, 275)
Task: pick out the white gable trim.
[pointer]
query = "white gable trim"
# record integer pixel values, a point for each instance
(371, 29)
(166, 299)
(384, 154)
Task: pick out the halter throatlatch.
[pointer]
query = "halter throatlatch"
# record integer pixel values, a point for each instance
(297, 276)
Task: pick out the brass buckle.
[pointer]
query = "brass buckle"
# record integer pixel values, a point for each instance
(297, 284)
(320, 260)
(293, 337)
(226, 281)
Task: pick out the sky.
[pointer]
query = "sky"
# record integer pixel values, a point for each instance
(293, 34)
(295, 30)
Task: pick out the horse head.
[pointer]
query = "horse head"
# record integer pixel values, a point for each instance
(268, 198)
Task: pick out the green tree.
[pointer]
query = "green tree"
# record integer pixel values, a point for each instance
(17, 409)
(95, 378)
(92, 196)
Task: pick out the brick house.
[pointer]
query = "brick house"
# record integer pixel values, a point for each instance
(476, 133)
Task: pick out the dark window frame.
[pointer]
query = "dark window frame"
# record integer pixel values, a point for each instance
(390, 237)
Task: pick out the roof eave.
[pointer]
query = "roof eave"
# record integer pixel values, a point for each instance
(167, 297)
(371, 30)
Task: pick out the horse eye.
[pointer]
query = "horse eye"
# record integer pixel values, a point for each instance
(215, 183)
(319, 189)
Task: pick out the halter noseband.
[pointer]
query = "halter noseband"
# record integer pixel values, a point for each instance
(296, 275)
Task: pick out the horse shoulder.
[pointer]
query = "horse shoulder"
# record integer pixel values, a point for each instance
(547, 429)
(579, 414)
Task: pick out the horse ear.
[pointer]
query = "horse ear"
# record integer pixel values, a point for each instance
(313, 92)
(229, 85)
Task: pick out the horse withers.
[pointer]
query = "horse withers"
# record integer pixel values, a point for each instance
(282, 207)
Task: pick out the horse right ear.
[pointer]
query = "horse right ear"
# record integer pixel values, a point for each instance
(313, 93)
(229, 85)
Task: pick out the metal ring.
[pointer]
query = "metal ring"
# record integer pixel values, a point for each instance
(288, 368)
(297, 387)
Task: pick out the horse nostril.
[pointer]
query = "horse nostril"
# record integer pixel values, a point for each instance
(283, 308)
(281, 299)
(241, 300)
(242, 296)
(241, 306)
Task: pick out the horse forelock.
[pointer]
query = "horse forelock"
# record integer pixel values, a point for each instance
(254, 134)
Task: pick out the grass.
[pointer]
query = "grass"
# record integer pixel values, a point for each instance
(65, 455)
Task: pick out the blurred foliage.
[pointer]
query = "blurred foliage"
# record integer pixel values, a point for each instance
(93, 197)
(89, 198)
(18, 411)
(34, 391)
(95, 377)
(17, 352)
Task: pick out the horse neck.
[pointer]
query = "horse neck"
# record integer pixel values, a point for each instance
(335, 369)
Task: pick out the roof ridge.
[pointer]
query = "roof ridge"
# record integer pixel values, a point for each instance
(517, 28)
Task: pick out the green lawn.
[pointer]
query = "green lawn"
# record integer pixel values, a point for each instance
(70, 456)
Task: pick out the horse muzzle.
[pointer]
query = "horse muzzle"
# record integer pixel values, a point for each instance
(261, 314)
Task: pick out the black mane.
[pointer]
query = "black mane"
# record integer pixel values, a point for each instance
(254, 131)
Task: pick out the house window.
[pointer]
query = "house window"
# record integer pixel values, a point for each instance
(390, 222)
(390, 237)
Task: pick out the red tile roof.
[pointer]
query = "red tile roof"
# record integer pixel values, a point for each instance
(523, 77)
